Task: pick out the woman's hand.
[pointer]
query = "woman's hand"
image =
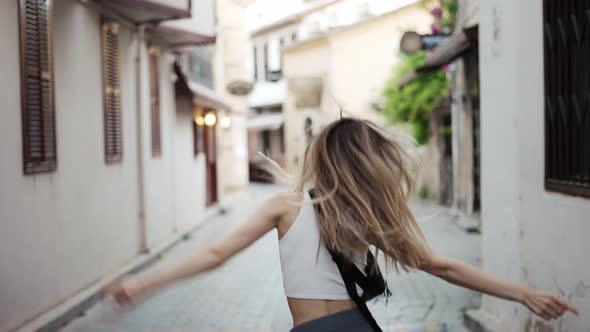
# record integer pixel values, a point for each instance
(124, 291)
(546, 304)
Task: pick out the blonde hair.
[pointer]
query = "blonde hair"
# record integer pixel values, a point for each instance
(362, 184)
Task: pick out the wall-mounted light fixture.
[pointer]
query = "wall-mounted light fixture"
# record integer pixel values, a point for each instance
(199, 119)
(210, 119)
(224, 121)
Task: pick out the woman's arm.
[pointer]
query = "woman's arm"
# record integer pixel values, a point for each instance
(460, 273)
(208, 258)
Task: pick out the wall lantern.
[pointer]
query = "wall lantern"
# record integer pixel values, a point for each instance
(224, 121)
(199, 120)
(210, 119)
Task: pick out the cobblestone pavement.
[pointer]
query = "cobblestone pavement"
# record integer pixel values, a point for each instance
(246, 294)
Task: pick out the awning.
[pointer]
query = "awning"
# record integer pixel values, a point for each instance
(270, 121)
(201, 96)
(454, 47)
(143, 11)
(180, 35)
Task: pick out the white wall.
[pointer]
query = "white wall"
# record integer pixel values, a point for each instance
(189, 170)
(529, 234)
(158, 170)
(62, 230)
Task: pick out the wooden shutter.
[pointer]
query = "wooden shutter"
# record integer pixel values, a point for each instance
(111, 92)
(198, 131)
(37, 95)
(154, 56)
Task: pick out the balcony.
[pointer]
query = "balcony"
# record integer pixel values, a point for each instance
(146, 11)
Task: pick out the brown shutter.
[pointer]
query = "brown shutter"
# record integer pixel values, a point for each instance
(37, 104)
(111, 91)
(198, 139)
(154, 56)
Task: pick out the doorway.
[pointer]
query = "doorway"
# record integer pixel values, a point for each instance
(210, 165)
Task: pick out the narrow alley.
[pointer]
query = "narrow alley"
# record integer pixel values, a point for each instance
(246, 294)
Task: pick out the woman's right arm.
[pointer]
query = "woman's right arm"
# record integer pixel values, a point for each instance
(460, 273)
(207, 258)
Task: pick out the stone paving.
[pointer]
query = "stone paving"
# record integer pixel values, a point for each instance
(246, 294)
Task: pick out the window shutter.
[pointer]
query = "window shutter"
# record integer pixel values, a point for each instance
(198, 139)
(37, 104)
(111, 92)
(154, 56)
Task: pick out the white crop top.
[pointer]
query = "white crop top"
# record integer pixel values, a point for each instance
(307, 272)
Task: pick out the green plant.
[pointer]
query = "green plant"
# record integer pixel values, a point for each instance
(417, 99)
(424, 192)
(446, 131)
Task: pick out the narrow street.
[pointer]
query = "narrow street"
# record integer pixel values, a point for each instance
(246, 294)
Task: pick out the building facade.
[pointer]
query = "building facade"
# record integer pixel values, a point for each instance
(535, 166)
(102, 163)
(324, 74)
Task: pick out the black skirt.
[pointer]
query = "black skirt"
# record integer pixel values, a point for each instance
(345, 321)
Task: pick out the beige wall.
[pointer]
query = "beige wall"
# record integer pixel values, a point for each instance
(354, 63)
(231, 50)
(310, 60)
(363, 57)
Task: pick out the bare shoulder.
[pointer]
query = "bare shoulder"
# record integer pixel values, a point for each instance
(286, 202)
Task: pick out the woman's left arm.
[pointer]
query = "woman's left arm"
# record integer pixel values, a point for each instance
(460, 273)
(205, 259)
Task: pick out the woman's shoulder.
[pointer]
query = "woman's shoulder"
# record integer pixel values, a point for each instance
(288, 203)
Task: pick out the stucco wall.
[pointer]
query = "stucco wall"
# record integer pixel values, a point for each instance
(62, 230)
(529, 234)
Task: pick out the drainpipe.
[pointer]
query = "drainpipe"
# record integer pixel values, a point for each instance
(143, 247)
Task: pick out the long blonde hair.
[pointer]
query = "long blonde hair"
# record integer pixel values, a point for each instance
(362, 185)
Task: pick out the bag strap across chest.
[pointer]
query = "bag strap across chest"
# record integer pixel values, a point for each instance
(372, 283)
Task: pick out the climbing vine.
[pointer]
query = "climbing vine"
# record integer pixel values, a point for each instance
(415, 101)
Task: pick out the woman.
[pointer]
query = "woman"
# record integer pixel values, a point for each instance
(361, 182)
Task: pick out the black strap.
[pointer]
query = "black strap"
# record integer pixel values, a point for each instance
(352, 276)
(351, 279)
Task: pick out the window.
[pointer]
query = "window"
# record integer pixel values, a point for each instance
(265, 56)
(154, 57)
(567, 96)
(254, 53)
(113, 137)
(37, 87)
